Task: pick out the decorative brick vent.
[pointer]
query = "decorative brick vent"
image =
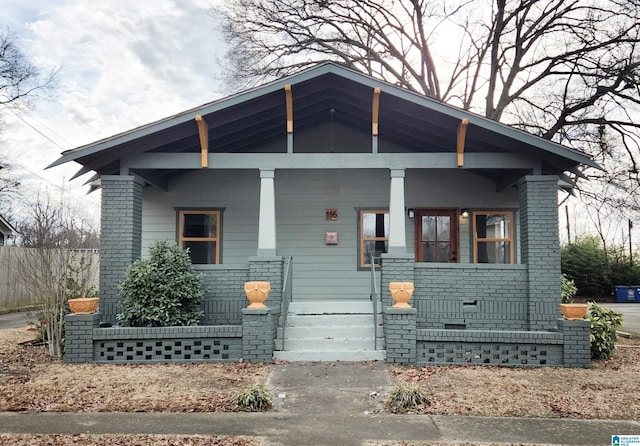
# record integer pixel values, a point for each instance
(167, 350)
(221, 343)
(450, 353)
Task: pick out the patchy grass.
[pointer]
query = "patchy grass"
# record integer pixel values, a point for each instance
(609, 390)
(31, 381)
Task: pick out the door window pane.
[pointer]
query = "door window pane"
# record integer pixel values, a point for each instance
(428, 228)
(444, 228)
(444, 251)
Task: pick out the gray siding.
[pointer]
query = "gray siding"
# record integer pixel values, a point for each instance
(236, 191)
(320, 270)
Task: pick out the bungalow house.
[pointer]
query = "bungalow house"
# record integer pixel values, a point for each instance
(6, 231)
(331, 184)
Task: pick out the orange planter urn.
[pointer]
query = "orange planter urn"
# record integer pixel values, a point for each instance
(401, 292)
(257, 293)
(573, 312)
(84, 305)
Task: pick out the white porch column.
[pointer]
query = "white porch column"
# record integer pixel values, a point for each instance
(267, 219)
(397, 236)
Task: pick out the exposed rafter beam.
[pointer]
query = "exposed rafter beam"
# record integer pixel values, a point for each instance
(568, 180)
(578, 173)
(375, 110)
(289, 103)
(92, 179)
(509, 182)
(203, 132)
(462, 134)
(154, 180)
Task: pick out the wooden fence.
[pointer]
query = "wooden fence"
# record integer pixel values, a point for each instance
(13, 288)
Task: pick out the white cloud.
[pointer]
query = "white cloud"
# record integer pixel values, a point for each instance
(122, 64)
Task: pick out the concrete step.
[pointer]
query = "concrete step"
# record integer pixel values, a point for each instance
(329, 344)
(330, 330)
(328, 356)
(311, 307)
(321, 320)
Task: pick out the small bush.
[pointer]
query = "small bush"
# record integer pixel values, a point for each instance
(162, 290)
(252, 399)
(604, 330)
(568, 289)
(403, 397)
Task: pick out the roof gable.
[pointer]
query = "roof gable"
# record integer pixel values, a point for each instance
(243, 121)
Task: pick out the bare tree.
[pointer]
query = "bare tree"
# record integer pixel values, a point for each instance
(566, 70)
(21, 84)
(20, 80)
(384, 38)
(56, 266)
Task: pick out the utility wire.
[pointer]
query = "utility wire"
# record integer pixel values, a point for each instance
(38, 130)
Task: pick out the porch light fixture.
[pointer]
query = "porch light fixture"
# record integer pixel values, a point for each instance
(411, 212)
(464, 213)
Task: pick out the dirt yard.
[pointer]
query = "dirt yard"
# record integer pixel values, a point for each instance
(608, 390)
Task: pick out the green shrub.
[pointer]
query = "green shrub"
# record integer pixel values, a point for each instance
(403, 397)
(594, 269)
(603, 336)
(568, 289)
(252, 399)
(162, 290)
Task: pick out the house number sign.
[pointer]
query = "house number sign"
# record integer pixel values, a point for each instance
(331, 214)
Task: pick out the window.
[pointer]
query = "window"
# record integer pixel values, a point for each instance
(493, 237)
(200, 232)
(374, 236)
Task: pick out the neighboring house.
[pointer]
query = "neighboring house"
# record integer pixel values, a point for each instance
(339, 171)
(6, 231)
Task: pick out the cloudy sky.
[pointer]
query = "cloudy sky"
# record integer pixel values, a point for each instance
(122, 63)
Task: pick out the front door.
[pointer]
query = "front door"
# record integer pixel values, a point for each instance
(437, 235)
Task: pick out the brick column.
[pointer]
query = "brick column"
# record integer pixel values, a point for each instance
(78, 333)
(400, 335)
(259, 328)
(120, 236)
(269, 269)
(541, 248)
(576, 351)
(395, 268)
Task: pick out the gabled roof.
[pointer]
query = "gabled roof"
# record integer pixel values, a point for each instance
(6, 228)
(245, 121)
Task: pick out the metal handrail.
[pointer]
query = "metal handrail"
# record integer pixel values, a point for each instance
(286, 297)
(374, 301)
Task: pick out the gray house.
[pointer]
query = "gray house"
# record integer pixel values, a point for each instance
(331, 184)
(6, 231)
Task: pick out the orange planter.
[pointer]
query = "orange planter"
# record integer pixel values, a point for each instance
(257, 293)
(86, 305)
(401, 292)
(574, 312)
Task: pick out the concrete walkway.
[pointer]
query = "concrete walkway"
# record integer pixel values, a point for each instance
(327, 404)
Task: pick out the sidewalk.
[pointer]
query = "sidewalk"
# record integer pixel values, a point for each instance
(327, 404)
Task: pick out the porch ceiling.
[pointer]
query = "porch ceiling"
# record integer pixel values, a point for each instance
(250, 121)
